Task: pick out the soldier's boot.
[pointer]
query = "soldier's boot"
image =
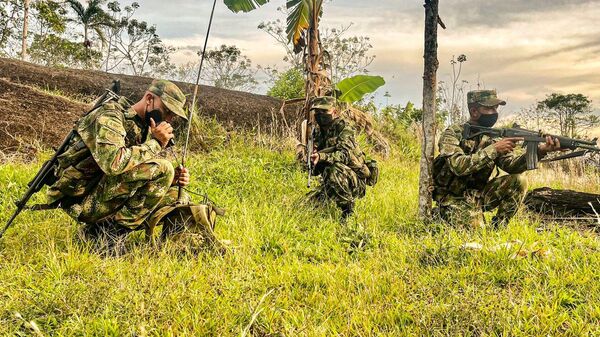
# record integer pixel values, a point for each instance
(505, 193)
(347, 211)
(107, 237)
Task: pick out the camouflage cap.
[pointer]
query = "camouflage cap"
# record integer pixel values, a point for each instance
(487, 98)
(170, 95)
(323, 102)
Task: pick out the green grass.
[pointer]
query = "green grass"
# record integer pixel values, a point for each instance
(297, 271)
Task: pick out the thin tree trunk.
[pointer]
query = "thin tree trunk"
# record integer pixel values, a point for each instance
(25, 29)
(429, 108)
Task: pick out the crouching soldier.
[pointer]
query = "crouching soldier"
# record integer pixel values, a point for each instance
(466, 181)
(337, 158)
(111, 177)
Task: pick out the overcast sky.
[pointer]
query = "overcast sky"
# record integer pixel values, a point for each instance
(525, 49)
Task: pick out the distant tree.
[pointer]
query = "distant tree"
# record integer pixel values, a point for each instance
(53, 50)
(571, 113)
(11, 20)
(344, 57)
(49, 46)
(92, 18)
(138, 49)
(288, 85)
(50, 17)
(25, 29)
(226, 67)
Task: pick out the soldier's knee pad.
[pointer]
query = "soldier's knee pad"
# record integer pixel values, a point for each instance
(165, 169)
(518, 183)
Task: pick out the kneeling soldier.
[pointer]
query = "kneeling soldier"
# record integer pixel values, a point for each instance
(344, 168)
(111, 176)
(463, 189)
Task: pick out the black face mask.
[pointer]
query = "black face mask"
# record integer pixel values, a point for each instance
(324, 120)
(155, 114)
(487, 120)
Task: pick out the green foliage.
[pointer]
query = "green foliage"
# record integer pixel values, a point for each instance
(355, 88)
(93, 17)
(300, 17)
(295, 270)
(51, 16)
(11, 23)
(244, 5)
(53, 50)
(288, 85)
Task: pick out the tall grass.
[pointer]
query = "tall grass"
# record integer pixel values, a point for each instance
(294, 270)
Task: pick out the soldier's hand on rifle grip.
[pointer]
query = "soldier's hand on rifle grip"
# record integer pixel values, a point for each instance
(507, 145)
(162, 132)
(551, 145)
(182, 177)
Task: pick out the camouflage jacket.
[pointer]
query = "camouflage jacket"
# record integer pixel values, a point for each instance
(467, 164)
(338, 146)
(110, 140)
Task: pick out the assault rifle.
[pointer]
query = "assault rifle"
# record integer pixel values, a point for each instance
(531, 140)
(45, 175)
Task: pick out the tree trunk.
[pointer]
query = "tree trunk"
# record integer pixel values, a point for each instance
(25, 29)
(429, 108)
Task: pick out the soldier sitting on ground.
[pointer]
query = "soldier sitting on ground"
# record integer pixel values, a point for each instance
(111, 176)
(463, 189)
(338, 159)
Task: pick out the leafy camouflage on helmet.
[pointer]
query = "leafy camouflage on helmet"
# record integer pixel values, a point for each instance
(323, 103)
(487, 98)
(462, 174)
(171, 96)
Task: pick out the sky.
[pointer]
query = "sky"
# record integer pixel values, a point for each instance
(525, 49)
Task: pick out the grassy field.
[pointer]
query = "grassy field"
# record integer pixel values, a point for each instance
(295, 271)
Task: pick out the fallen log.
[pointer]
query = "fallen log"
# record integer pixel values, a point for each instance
(564, 204)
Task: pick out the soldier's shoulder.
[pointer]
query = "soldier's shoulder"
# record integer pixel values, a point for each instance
(341, 125)
(454, 130)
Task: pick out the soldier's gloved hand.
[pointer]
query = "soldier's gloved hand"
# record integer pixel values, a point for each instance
(314, 157)
(162, 133)
(506, 145)
(182, 177)
(550, 146)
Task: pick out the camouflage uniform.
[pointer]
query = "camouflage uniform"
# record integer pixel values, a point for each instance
(341, 163)
(462, 186)
(112, 169)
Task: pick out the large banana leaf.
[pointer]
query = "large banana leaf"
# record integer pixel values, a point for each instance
(244, 5)
(299, 17)
(355, 88)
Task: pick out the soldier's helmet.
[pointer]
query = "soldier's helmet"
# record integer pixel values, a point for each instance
(487, 98)
(323, 103)
(170, 95)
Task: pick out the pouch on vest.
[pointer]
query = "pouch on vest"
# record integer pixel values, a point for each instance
(374, 169)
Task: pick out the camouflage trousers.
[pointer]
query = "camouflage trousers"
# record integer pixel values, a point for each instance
(340, 184)
(129, 198)
(505, 193)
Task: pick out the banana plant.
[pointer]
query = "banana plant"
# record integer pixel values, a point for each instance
(354, 88)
